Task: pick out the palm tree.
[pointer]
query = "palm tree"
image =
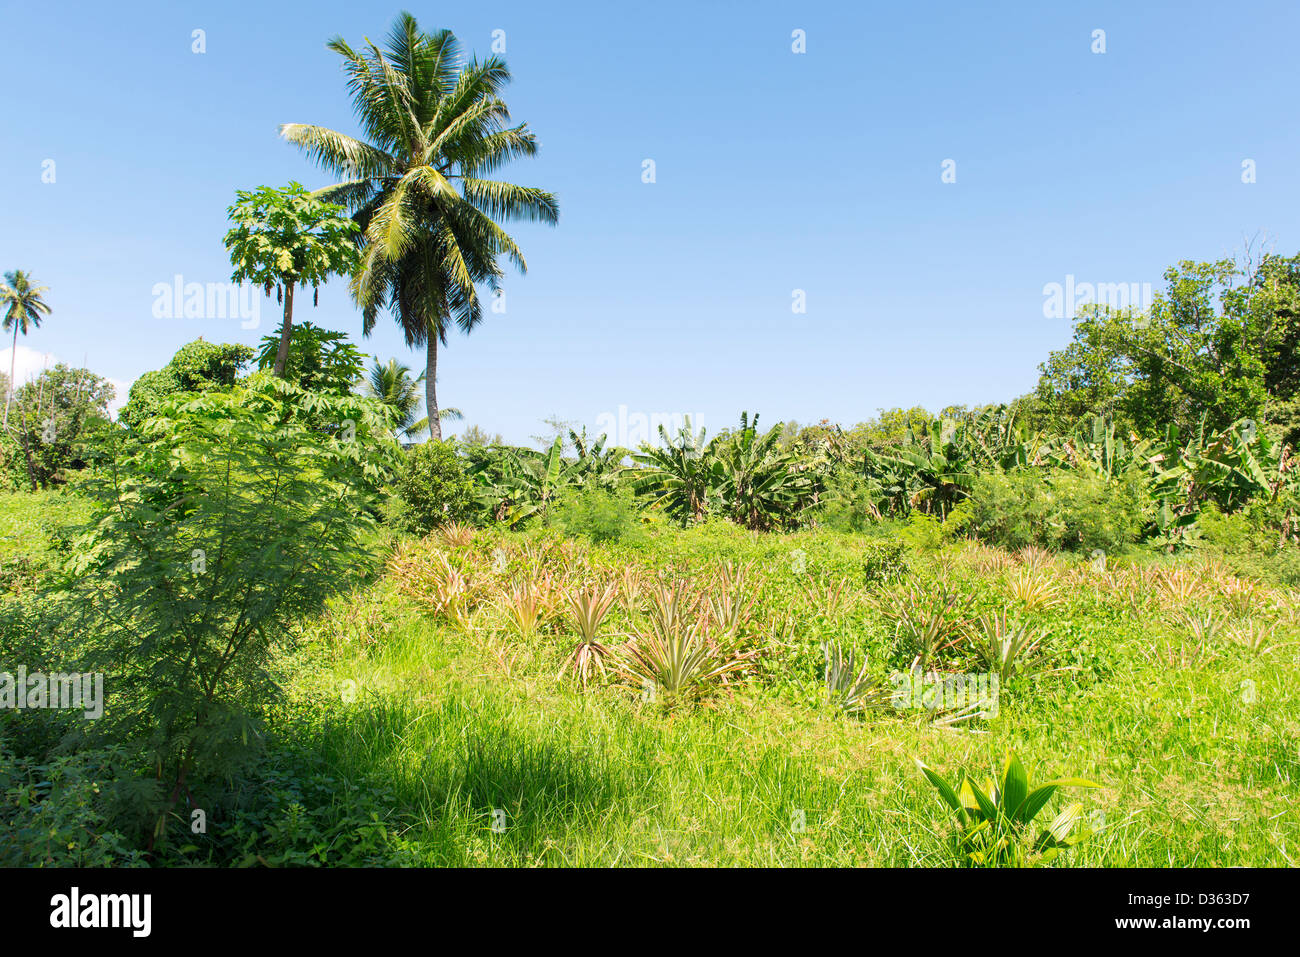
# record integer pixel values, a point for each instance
(391, 384)
(435, 125)
(24, 312)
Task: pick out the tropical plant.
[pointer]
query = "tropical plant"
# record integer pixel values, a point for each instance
(1005, 648)
(762, 485)
(679, 475)
(230, 520)
(287, 238)
(434, 127)
(24, 308)
(673, 656)
(926, 619)
(849, 688)
(61, 423)
(995, 820)
(318, 360)
(391, 384)
(588, 609)
(432, 487)
(527, 606)
(197, 366)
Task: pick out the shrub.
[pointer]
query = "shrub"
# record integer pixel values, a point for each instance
(196, 367)
(1056, 510)
(847, 503)
(884, 560)
(923, 532)
(229, 521)
(1232, 533)
(433, 488)
(598, 514)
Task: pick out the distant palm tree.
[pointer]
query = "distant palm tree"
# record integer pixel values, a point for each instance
(25, 307)
(391, 384)
(435, 125)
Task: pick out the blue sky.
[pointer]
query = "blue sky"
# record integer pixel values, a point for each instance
(775, 171)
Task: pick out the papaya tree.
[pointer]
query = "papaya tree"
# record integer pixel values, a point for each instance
(287, 238)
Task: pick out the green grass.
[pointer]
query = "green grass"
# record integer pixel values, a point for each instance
(1195, 770)
(402, 736)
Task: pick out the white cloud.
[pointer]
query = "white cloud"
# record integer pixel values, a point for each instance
(30, 363)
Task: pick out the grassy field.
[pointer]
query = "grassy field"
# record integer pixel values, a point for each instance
(434, 717)
(1171, 684)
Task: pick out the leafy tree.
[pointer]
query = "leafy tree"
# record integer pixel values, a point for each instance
(24, 308)
(318, 360)
(60, 422)
(228, 521)
(288, 238)
(1220, 342)
(477, 437)
(434, 487)
(435, 127)
(196, 367)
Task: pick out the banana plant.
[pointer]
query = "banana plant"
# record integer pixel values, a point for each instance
(516, 484)
(936, 469)
(760, 485)
(996, 818)
(680, 475)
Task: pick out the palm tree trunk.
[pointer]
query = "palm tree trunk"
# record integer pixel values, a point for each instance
(9, 393)
(430, 388)
(286, 330)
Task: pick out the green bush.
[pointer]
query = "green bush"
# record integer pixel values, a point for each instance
(923, 532)
(60, 812)
(598, 514)
(196, 367)
(884, 560)
(1056, 510)
(432, 488)
(846, 504)
(189, 609)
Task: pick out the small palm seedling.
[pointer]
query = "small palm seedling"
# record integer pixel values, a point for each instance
(850, 689)
(1005, 648)
(1033, 590)
(588, 609)
(995, 821)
